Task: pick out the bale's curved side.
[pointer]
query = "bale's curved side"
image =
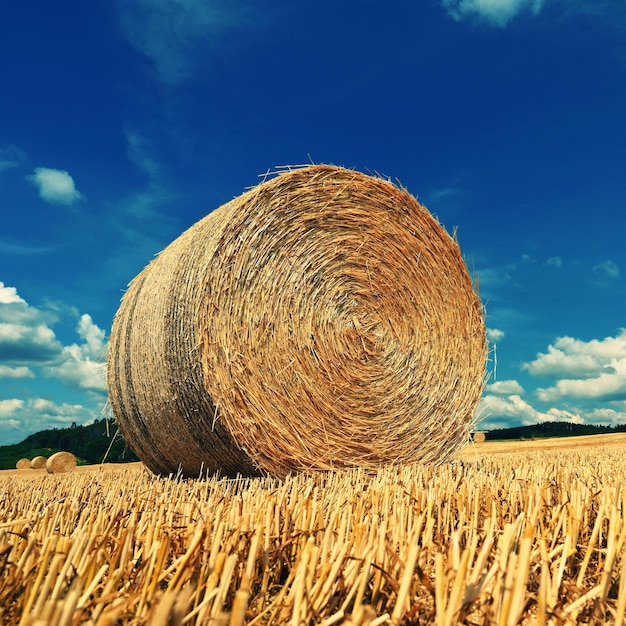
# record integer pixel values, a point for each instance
(23, 464)
(157, 389)
(323, 319)
(61, 462)
(39, 462)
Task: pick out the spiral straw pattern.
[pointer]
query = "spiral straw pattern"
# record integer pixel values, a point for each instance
(60, 462)
(323, 319)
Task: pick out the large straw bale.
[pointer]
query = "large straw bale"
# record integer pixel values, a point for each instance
(61, 462)
(23, 464)
(39, 462)
(323, 319)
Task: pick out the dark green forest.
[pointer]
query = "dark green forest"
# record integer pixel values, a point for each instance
(90, 444)
(551, 429)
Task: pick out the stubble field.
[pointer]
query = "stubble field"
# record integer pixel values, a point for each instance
(517, 532)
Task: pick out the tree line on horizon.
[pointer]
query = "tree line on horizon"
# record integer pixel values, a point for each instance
(101, 442)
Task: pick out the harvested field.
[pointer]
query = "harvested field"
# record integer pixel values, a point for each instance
(532, 536)
(551, 443)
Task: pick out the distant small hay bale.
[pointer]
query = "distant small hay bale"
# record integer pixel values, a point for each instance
(323, 319)
(39, 462)
(61, 462)
(478, 437)
(23, 464)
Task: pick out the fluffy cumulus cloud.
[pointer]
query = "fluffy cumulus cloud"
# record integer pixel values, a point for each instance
(8, 295)
(15, 372)
(55, 186)
(82, 365)
(606, 385)
(9, 407)
(495, 334)
(505, 388)
(18, 418)
(496, 12)
(33, 357)
(588, 386)
(175, 35)
(25, 336)
(513, 410)
(574, 359)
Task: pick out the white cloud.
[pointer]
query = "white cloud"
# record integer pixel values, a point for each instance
(20, 343)
(19, 418)
(606, 416)
(512, 407)
(15, 372)
(495, 334)
(563, 415)
(505, 388)
(9, 407)
(608, 269)
(10, 156)
(95, 342)
(608, 385)
(591, 370)
(589, 387)
(82, 366)
(496, 12)
(55, 186)
(30, 349)
(559, 363)
(571, 358)
(77, 370)
(178, 34)
(8, 295)
(516, 411)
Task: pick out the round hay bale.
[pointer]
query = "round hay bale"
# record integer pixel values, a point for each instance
(39, 462)
(323, 319)
(61, 462)
(478, 437)
(23, 464)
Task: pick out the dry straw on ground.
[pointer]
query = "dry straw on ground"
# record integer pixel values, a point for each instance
(530, 538)
(39, 462)
(322, 319)
(23, 464)
(61, 462)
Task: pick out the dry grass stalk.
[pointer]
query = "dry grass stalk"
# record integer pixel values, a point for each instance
(23, 464)
(39, 462)
(323, 319)
(459, 543)
(61, 462)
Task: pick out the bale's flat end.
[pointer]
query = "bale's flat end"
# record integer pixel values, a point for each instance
(39, 462)
(323, 319)
(61, 462)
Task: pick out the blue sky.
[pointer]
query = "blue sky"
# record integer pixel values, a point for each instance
(123, 123)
